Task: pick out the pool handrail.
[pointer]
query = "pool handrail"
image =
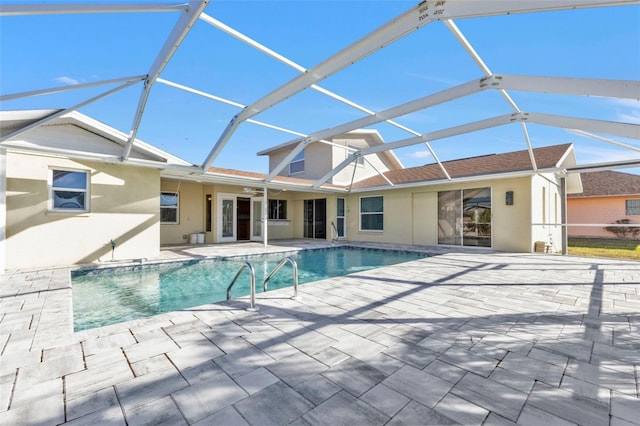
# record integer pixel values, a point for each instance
(294, 265)
(252, 272)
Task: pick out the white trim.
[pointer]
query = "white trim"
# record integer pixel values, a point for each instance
(51, 189)
(177, 208)
(344, 219)
(360, 213)
(221, 197)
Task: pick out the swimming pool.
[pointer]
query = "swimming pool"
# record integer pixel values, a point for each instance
(109, 297)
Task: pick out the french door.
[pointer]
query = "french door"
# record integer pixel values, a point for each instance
(256, 219)
(239, 218)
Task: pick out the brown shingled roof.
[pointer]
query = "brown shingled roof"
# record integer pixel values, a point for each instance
(599, 184)
(474, 166)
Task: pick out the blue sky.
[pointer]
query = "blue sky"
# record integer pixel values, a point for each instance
(51, 50)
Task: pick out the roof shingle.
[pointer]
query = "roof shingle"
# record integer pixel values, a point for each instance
(605, 183)
(475, 166)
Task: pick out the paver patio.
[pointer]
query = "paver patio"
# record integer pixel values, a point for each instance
(470, 337)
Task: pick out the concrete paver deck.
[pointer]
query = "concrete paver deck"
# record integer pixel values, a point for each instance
(468, 337)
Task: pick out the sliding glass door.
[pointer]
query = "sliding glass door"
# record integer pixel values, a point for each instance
(464, 217)
(315, 218)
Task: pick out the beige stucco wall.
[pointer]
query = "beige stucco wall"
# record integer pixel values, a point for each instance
(190, 215)
(546, 204)
(410, 215)
(321, 158)
(362, 171)
(317, 162)
(192, 206)
(124, 207)
(597, 210)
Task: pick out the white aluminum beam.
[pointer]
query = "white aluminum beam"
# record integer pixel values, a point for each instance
(456, 92)
(67, 9)
(576, 86)
(487, 72)
(68, 88)
(65, 111)
(623, 89)
(624, 130)
(415, 18)
(621, 129)
(262, 48)
(603, 139)
(228, 102)
(177, 35)
(440, 134)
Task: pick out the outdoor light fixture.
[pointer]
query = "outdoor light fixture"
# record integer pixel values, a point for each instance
(509, 198)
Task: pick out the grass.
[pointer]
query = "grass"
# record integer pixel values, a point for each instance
(605, 247)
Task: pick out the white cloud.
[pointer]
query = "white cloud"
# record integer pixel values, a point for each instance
(435, 79)
(627, 110)
(66, 80)
(420, 154)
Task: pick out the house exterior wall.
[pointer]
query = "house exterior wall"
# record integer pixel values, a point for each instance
(597, 210)
(317, 161)
(411, 214)
(190, 214)
(327, 157)
(546, 214)
(124, 204)
(362, 171)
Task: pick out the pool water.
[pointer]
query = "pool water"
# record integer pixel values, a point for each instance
(108, 298)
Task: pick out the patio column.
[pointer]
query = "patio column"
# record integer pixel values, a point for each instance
(3, 209)
(265, 215)
(563, 214)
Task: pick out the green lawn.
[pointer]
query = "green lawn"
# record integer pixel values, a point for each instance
(605, 247)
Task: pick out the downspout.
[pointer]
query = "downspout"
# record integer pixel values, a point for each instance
(563, 214)
(265, 216)
(3, 210)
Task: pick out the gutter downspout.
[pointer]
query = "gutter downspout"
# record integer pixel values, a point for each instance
(3, 210)
(563, 215)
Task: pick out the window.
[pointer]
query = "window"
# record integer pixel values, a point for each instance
(372, 213)
(297, 164)
(632, 207)
(69, 190)
(277, 209)
(208, 211)
(340, 216)
(169, 207)
(359, 160)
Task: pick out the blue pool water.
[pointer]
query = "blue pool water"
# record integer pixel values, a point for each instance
(106, 298)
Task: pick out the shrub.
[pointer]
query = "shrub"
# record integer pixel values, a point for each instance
(623, 231)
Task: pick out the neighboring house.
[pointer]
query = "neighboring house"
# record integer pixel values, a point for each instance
(607, 196)
(69, 194)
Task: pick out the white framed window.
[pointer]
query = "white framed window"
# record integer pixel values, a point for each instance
(341, 212)
(372, 213)
(297, 164)
(351, 149)
(632, 207)
(277, 209)
(169, 207)
(69, 190)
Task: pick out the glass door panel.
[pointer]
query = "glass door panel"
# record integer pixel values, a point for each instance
(315, 218)
(227, 219)
(449, 218)
(476, 207)
(340, 216)
(256, 219)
